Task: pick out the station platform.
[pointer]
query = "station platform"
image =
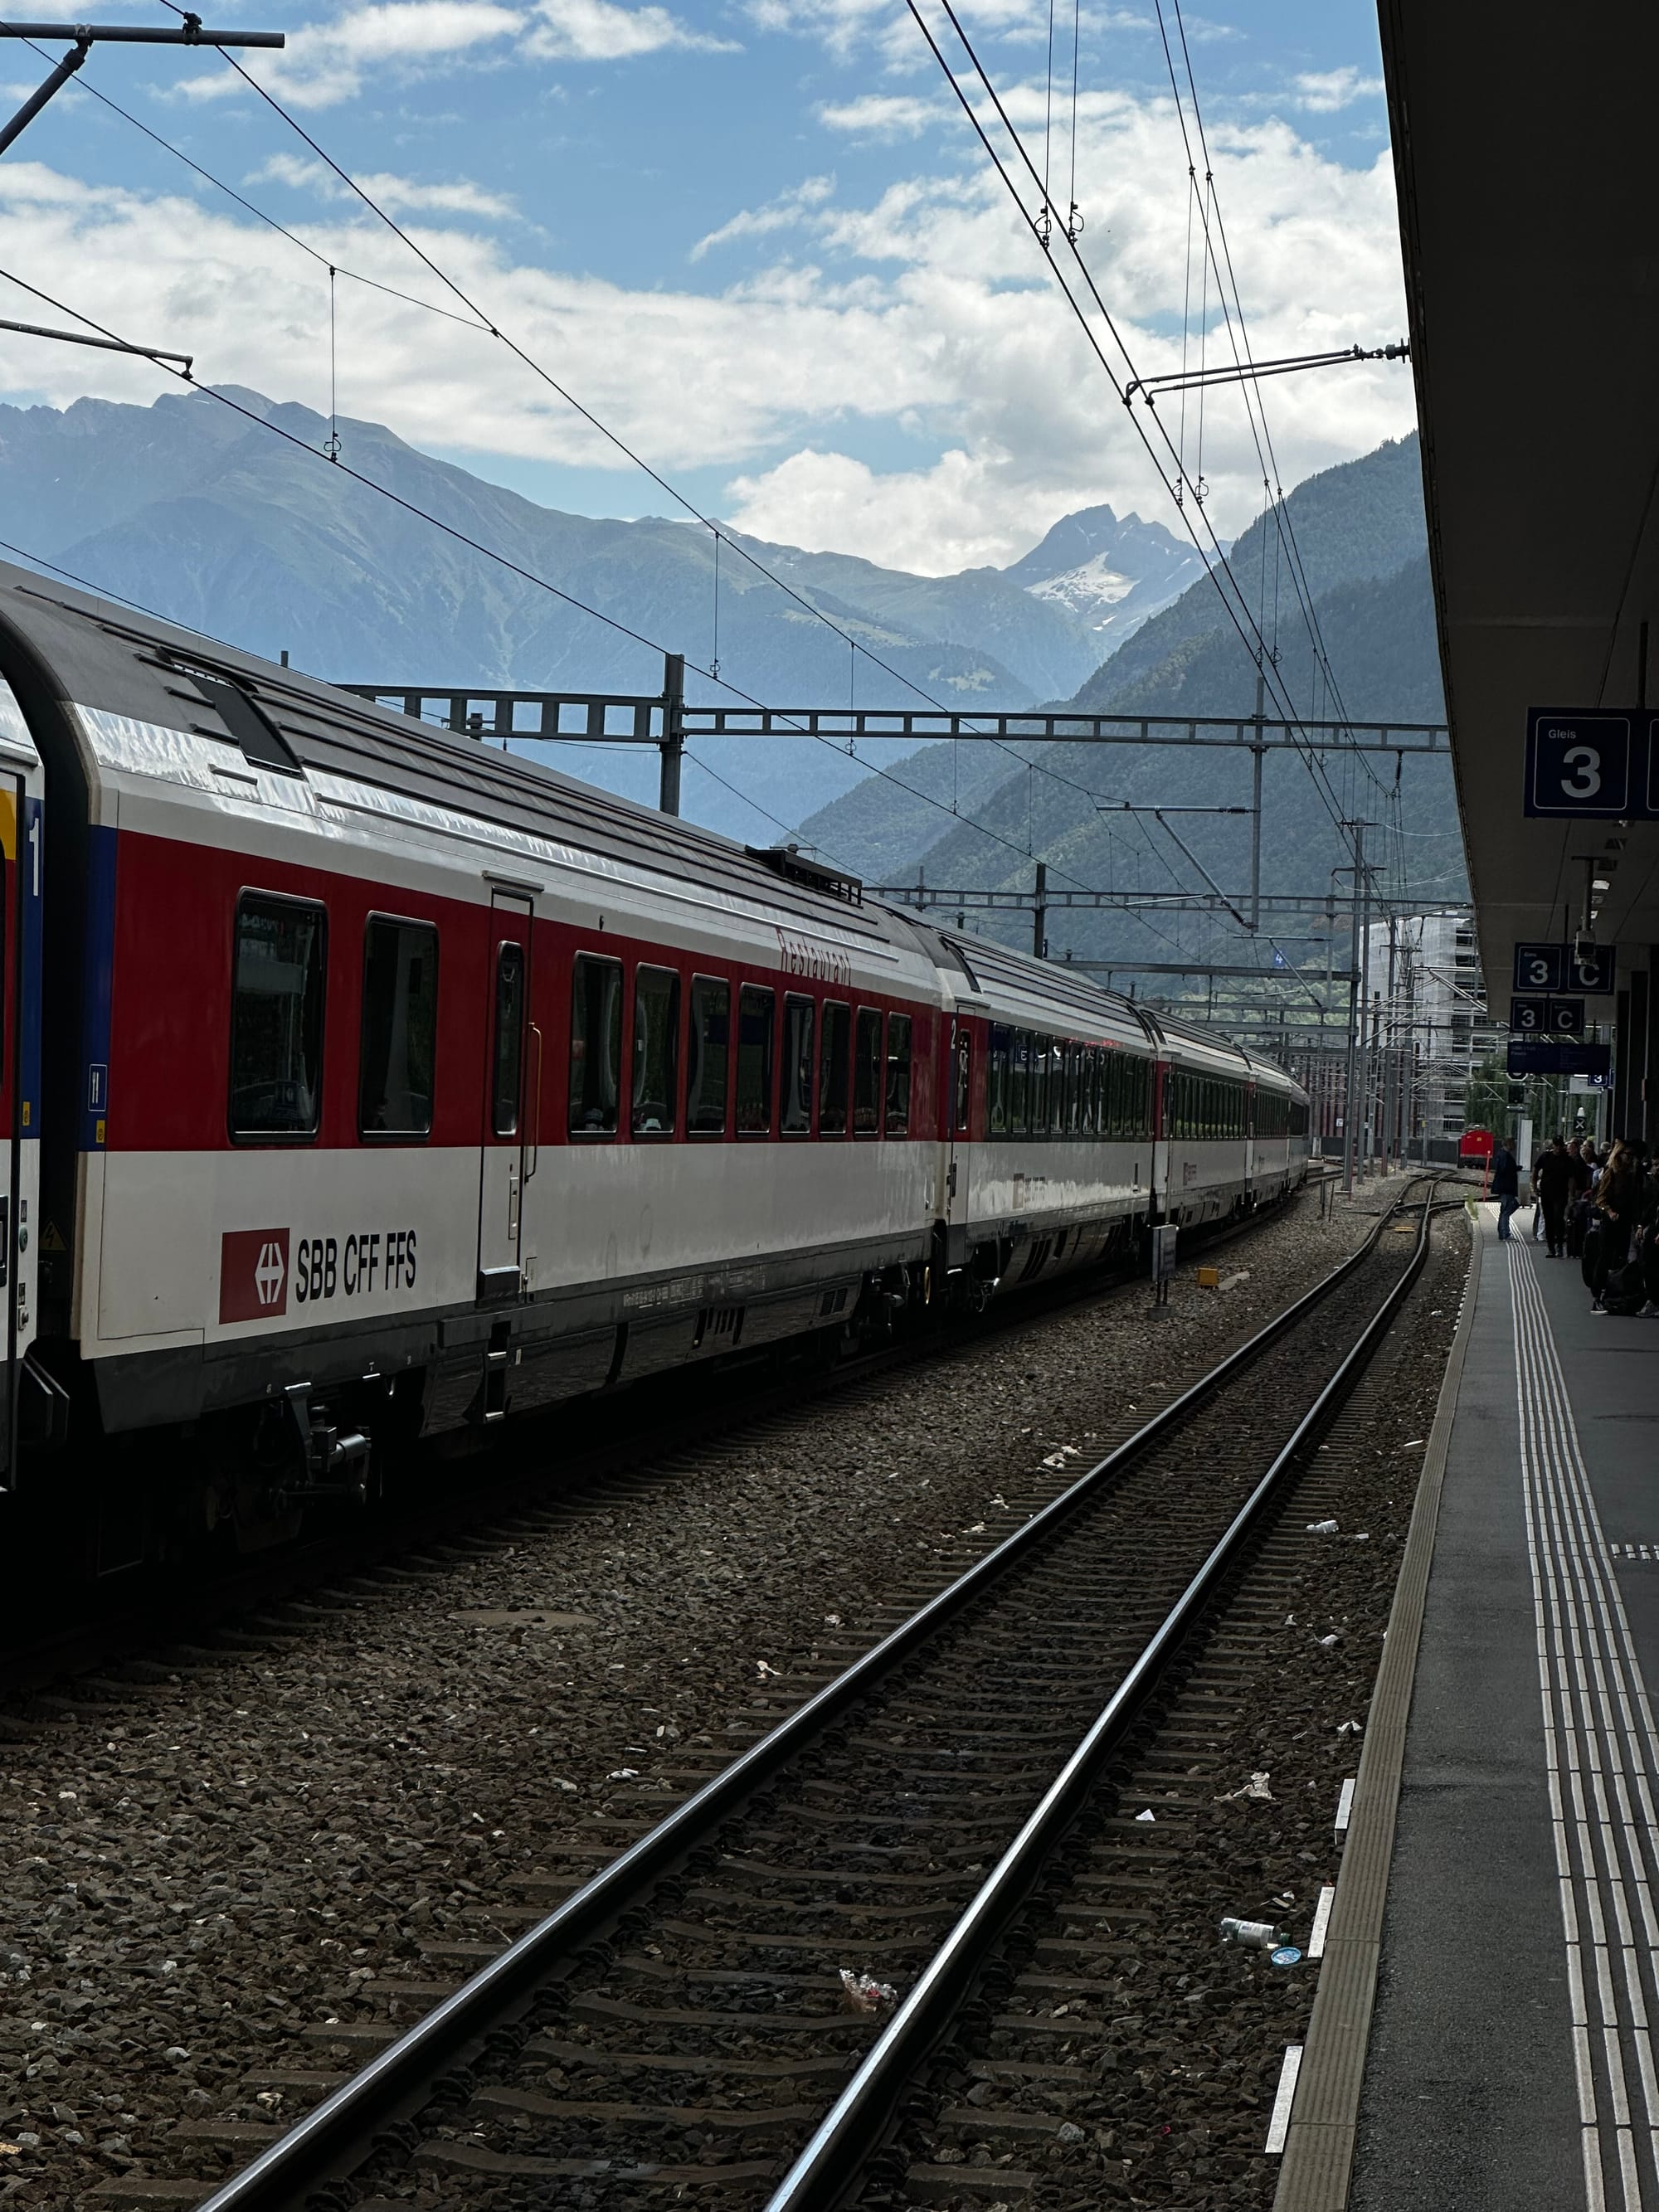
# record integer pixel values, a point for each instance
(1497, 1892)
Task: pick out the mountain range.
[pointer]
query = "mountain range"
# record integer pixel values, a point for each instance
(234, 523)
(200, 512)
(978, 816)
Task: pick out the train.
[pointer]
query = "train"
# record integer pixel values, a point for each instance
(366, 1085)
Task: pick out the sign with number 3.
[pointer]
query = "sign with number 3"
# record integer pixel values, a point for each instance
(1601, 764)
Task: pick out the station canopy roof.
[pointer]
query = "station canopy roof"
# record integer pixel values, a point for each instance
(1523, 152)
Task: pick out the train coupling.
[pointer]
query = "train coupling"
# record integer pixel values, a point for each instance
(333, 1458)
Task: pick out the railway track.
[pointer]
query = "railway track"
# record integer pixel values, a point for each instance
(54, 1633)
(678, 2020)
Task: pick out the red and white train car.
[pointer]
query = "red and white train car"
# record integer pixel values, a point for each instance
(382, 1085)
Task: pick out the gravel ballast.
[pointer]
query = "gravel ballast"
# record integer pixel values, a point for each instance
(214, 1867)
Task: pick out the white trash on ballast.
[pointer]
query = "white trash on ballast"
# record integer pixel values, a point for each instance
(1256, 1788)
(1252, 1934)
(864, 1993)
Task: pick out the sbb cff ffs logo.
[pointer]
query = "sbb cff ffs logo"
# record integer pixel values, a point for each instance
(254, 1274)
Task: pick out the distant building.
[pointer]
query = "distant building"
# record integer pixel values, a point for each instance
(1427, 1022)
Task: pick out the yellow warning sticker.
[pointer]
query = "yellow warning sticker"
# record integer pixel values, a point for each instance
(52, 1240)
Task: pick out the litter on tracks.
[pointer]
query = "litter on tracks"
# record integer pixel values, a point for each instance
(1252, 1934)
(1321, 1527)
(1256, 1788)
(864, 1993)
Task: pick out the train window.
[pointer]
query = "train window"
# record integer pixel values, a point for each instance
(866, 1074)
(998, 1078)
(1091, 1071)
(797, 1065)
(898, 1075)
(832, 1070)
(961, 1090)
(1077, 1059)
(509, 1071)
(595, 1034)
(656, 1051)
(757, 1033)
(1019, 1084)
(277, 1018)
(397, 1042)
(1041, 1053)
(705, 1051)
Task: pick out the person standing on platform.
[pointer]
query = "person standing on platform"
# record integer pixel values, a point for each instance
(1535, 1228)
(1615, 1207)
(1551, 1183)
(1506, 1187)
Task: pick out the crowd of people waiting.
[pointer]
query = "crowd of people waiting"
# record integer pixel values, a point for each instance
(1601, 1208)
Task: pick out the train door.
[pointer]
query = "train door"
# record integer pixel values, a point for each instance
(959, 1109)
(512, 1102)
(22, 861)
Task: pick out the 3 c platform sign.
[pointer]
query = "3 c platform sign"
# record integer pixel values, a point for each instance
(1601, 764)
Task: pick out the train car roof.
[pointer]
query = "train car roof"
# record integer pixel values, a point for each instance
(93, 654)
(97, 656)
(1019, 986)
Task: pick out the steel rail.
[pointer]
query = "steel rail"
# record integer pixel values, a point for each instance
(831, 2164)
(398, 2080)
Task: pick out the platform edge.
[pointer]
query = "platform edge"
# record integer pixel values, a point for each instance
(1318, 2155)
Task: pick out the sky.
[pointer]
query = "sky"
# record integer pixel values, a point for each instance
(757, 239)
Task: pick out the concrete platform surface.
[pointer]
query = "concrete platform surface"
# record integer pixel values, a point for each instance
(1510, 2063)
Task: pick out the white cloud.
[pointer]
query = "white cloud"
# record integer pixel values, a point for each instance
(885, 27)
(940, 517)
(923, 329)
(783, 213)
(880, 115)
(1322, 92)
(324, 63)
(600, 31)
(393, 193)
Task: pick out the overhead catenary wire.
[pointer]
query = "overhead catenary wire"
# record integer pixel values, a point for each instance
(516, 567)
(475, 317)
(1235, 603)
(483, 322)
(1232, 598)
(1256, 411)
(81, 84)
(1254, 405)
